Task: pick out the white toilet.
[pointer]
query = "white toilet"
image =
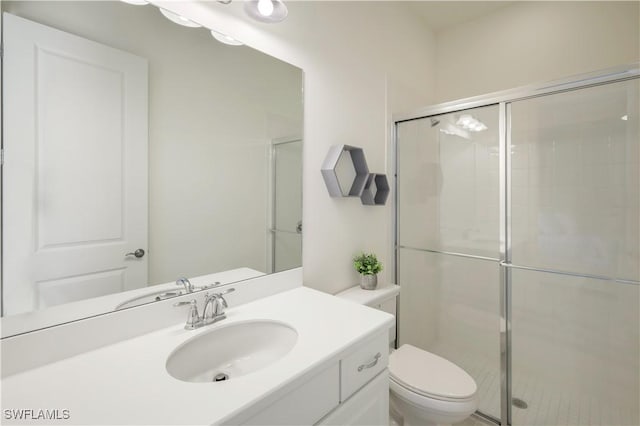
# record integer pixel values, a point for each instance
(425, 389)
(429, 390)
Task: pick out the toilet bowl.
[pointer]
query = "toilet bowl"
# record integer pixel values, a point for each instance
(426, 389)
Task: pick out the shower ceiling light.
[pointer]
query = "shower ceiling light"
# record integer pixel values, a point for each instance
(179, 19)
(268, 11)
(223, 38)
(468, 122)
(452, 130)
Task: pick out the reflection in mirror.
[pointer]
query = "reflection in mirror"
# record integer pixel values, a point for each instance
(287, 203)
(138, 151)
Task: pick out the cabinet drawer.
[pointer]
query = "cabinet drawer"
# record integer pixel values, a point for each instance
(363, 364)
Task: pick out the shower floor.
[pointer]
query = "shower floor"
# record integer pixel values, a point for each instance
(545, 407)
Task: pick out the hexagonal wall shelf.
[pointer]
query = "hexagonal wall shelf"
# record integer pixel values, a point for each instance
(345, 171)
(376, 190)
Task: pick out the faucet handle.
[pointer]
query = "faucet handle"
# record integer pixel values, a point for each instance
(219, 305)
(208, 286)
(193, 319)
(227, 291)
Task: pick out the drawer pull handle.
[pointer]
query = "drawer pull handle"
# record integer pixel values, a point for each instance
(372, 363)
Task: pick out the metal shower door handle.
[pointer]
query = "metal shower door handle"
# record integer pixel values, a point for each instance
(138, 253)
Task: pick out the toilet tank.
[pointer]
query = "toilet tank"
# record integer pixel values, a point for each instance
(382, 298)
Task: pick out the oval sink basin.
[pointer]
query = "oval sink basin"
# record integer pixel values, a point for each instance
(231, 351)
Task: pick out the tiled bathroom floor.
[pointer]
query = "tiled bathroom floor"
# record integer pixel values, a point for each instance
(546, 405)
(471, 421)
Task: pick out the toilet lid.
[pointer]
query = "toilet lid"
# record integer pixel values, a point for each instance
(430, 375)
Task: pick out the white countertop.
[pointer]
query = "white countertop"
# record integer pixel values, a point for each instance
(370, 297)
(127, 383)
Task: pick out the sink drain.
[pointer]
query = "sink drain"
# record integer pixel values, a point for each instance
(517, 402)
(220, 377)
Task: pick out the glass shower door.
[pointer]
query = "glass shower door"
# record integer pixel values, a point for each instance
(448, 242)
(575, 184)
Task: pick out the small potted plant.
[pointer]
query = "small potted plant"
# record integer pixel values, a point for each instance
(368, 267)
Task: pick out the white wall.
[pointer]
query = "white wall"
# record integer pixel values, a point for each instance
(362, 61)
(213, 110)
(530, 42)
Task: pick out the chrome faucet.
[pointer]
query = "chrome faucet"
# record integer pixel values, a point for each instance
(188, 287)
(213, 310)
(214, 306)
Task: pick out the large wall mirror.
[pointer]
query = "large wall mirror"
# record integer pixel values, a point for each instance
(137, 152)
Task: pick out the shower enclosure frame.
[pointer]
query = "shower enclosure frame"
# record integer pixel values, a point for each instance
(503, 100)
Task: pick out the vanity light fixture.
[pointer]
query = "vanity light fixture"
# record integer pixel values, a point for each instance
(179, 19)
(268, 11)
(223, 38)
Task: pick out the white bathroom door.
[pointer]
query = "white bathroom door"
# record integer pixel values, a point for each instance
(75, 168)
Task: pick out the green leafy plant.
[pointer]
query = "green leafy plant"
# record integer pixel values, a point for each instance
(367, 264)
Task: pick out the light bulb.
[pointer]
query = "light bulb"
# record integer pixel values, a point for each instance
(465, 120)
(265, 7)
(268, 11)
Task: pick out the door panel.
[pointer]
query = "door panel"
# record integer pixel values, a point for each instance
(448, 201)
(575, 350)
(80, 172)
(576, 181)
(449, 305)
(71, 289)
(575, 187)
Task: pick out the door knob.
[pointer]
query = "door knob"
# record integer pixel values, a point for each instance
(138, 253)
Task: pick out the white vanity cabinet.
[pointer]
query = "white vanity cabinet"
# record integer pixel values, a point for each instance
(334, 374)
(353, 390)
(368, 406)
